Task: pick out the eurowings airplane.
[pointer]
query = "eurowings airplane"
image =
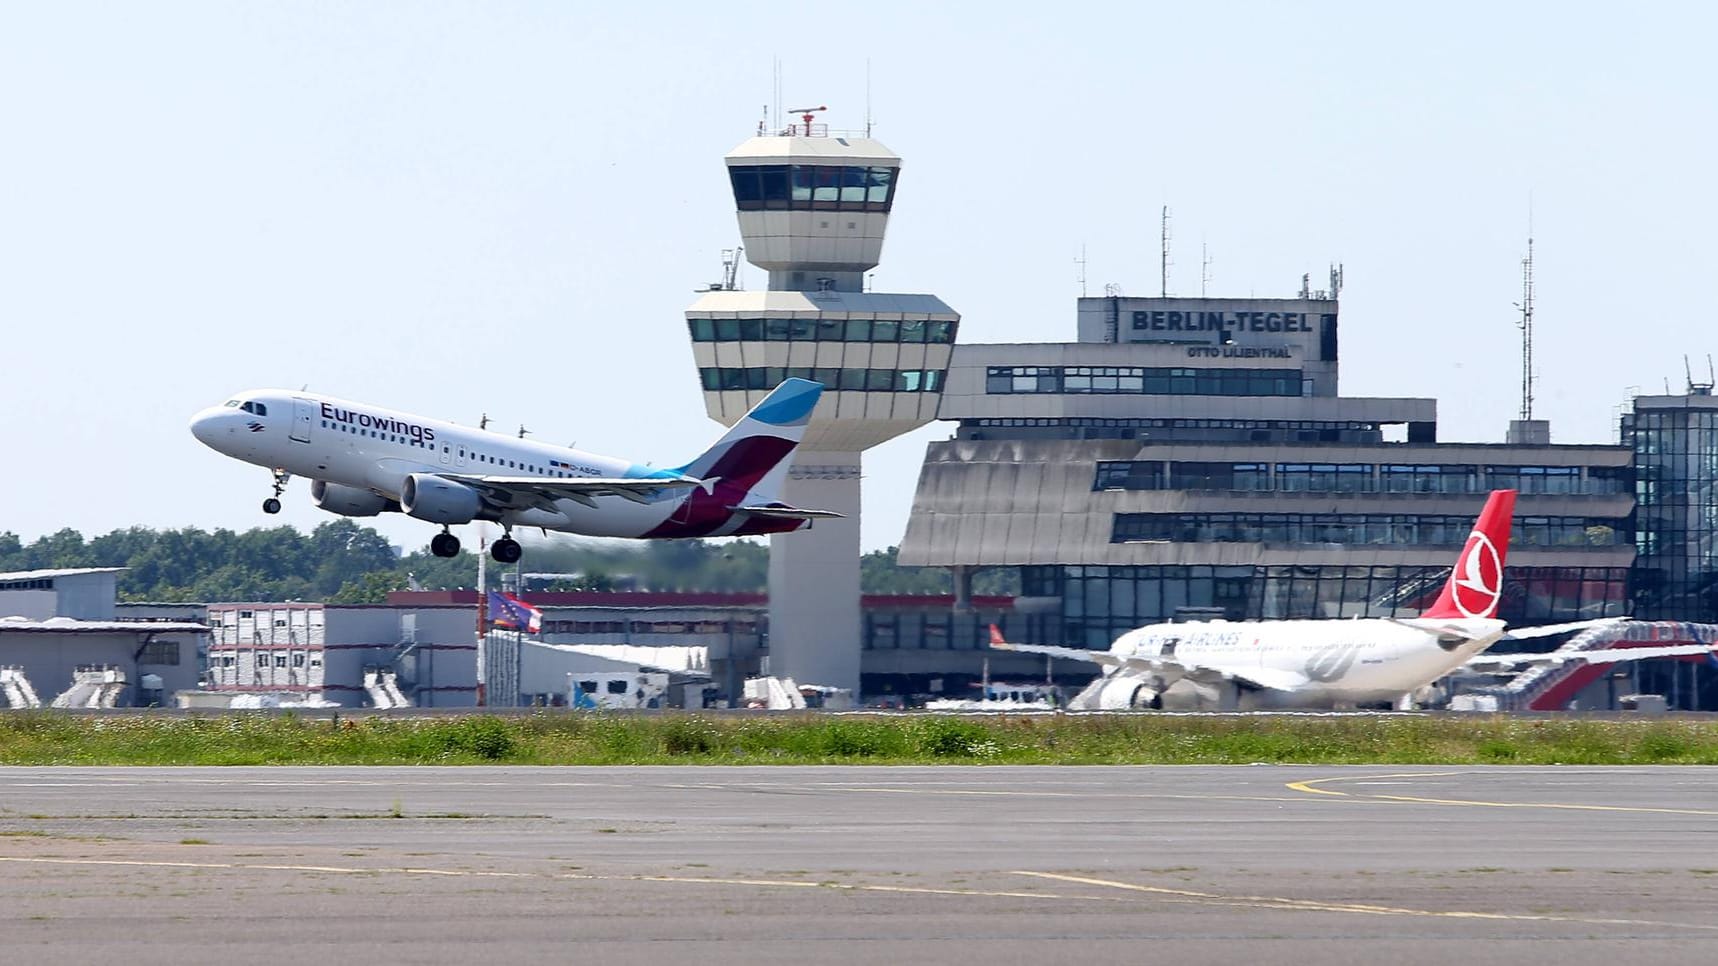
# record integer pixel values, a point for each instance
(1335, 663)
(364, 460)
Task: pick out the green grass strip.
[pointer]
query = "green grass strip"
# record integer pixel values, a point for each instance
(45, 738)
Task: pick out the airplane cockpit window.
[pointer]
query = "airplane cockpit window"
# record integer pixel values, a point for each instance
(249, 407)
(259, 409)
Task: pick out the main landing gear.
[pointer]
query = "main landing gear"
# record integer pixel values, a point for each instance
(444, 544)
(272, 504)
(506, 550)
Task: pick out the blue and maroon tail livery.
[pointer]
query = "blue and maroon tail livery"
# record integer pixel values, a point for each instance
(746, 468)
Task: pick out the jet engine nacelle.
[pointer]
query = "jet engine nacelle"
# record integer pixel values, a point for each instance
(1127, 693)
(349, 501)
(429, 497)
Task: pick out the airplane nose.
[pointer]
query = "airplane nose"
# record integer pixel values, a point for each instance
(206, 425)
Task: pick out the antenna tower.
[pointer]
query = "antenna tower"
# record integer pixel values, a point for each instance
(867, 97)
(1164, 255)
(1081, 261)
(1204, 269)
(1526, 326)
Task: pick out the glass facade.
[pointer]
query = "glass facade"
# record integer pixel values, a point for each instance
(822, 330)
(1376, 529)
(1151, 381)
(1099, 603)
(1676, 511)
(1361, 478)
(808, 187)
(845, 380)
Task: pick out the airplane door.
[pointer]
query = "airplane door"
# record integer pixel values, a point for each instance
(303, 412)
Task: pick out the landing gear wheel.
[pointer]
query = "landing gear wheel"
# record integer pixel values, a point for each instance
(444, 545)
(272, 504)
(506, 550)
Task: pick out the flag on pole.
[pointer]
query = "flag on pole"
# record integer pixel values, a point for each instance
(506, 610)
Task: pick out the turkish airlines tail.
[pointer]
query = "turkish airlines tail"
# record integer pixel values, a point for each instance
(1476, 581)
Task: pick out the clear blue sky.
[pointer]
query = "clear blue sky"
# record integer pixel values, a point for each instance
(456, 208)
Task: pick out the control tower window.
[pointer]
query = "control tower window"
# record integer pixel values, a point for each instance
(886, 331)
(858, 330)
(805, 187)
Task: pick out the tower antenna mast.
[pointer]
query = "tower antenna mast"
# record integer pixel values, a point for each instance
(1525, 324)
(1081, 261)
(1163, 256)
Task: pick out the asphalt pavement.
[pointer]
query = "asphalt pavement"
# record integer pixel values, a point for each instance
(999, 865)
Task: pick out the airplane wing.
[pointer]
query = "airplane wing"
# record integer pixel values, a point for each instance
(1070, 653)
(1263, 679)
(1610, 655)
(1548, 630)
(785, 512)
(521, 492)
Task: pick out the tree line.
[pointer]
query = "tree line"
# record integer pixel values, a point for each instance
(342, 562)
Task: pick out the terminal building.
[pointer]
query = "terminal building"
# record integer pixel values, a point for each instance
(1192, 458)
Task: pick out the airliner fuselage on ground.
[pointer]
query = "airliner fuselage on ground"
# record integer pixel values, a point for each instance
(366, 460)
(1334, 663)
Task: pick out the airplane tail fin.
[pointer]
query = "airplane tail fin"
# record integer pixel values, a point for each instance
(1475, 585)
(754, 456)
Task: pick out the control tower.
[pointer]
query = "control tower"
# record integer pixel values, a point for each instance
(813, 208)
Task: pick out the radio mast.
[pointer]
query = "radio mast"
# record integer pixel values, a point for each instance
(1525, 324)
(1164, 256)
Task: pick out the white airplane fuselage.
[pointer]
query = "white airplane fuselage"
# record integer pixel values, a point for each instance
(1310, 663)
(373, 450)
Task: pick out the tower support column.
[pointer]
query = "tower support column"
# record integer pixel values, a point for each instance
(815, 633)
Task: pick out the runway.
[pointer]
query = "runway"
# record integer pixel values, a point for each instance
(742, 865)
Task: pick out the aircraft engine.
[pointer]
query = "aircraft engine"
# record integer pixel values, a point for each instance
(349, 501)
(1124, 693)
(429, 497)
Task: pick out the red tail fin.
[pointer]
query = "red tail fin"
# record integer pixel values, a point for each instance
(996, 636)
(1476, 581)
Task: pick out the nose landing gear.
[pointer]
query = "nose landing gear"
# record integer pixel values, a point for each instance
(272, 504)
(444, 544)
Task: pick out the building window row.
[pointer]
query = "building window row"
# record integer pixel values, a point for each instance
(1377, 529)
(887, 331)
(845, 380)
(1145, 380)
(1359, 478)
(813, 187)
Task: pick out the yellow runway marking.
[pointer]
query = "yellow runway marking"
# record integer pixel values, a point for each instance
(1308, 787)
(571, 876)
(1313, 905)
(1159, 894)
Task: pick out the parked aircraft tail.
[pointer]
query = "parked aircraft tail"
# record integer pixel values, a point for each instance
(1475, 584)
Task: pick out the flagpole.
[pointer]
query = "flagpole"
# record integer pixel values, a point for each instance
(482, 614)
